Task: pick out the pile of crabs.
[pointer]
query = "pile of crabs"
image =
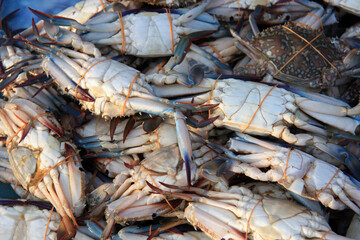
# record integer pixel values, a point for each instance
(214, 119)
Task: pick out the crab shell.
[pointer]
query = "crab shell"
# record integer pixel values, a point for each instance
(27, 222)
(287, 57)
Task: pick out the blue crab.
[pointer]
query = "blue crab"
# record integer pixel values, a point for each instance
(297, 55)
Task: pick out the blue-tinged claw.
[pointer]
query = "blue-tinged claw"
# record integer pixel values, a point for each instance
(5, 82)
(87, 142)
(37, 35)
(354, 42)
(184, 142)
(193, 107)
(183, 48)
(90, 145)
(333, 150)
(94, 228)
(13, 70)
(59, 21)
(318, 97)
(341, 154)
(242, 140)
(353, 163)
(196, 75)
(209, 56)
(219, 63)
(353, 180)
(76, 113)
(199, 124)
(41, 78)
(227, 152)
(103, 155)
(180, 51)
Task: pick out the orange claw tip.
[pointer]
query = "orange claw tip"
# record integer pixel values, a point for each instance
(113, 124)
(128, 127)
(66, 230)
(108, 228)
(208, 106)
(237, 232)
(173, 194)
(170, 186)
(58, 130)
(156, 189)
(83, 95)
(70, 151)
(195, 107)
(25, 132)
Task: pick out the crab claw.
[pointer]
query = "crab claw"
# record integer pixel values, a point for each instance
(186, 197)
(60, 21)
(103, 155)
(20, 114)
(352, 162)
(184, 142)
(25, 132)
(65, 231)
(12, 73)
(40, 78)
(53, 65)
(194, 107)
(199, 124)
(38, 113)
(25, 167)
(179, 54)
(94, 227)
(183, 47)
(341, 154)
(7, 80)
(152, 124)
(196, 75)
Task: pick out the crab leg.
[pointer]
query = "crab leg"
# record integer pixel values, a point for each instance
(298, 172)
(238, 212)
(67, 222)
(215, 227)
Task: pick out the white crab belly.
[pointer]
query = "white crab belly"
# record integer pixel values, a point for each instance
(150, 34)
(26, 222)
(239, 107)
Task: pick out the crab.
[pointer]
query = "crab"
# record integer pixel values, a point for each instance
(238, 213)
(24, 220)
(298, 55)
